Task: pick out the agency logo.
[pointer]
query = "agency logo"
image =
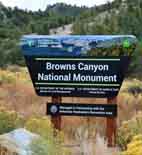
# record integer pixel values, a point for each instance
(54, 109)
(31, 43)
(126, 44)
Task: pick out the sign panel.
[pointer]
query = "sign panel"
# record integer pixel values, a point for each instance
(98, 110)
(99, 77)
(70, 65)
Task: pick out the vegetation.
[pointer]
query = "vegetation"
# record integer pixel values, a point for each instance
(12, 74)
(118, 17)
(104, 19)
(43, 127)
(16, 22)
(46, 144)
(10, 120)
(13, 91)
(128, 130)
(133, 87)
(16, 92)
(135, 146)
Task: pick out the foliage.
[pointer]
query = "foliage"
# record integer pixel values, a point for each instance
(42, 147)
(7, 77)
(118, 17)
(103, 19)
(16, 22)
(46, 147)
(48, 144)
(133, 87)
(41, 126)
(10, 75)
(135, 146)
(137, 57)
(129, 129)
(9, 120)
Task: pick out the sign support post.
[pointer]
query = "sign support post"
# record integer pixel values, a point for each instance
(111, 125)
(56, 120)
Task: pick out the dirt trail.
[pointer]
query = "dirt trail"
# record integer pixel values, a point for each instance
(64, 30)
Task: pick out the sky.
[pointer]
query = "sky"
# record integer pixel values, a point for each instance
(35, 5)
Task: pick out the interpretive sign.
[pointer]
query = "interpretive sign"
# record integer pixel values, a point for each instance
(79, 66)
(98, 110)
(75, 65)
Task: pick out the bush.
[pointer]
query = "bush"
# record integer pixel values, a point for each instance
(135, 88)
(13, 74)
(128, 130)
(43, 146)
(41, 126)
(135, 146)
(7, 77)
(9, 120)
(132, 86)
(48, 144)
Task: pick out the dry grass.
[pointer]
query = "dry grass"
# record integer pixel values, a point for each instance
(19, 95)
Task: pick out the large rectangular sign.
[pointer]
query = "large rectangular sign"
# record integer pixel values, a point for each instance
(98, 110)
(77, 66)
(99, 77)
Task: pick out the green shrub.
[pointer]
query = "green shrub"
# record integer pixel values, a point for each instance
(132, 87)
(43, 146)
(7, 77)
(128, 130)
(48, 144)
(41, 126)
(9, 120)
(135, 146)
(136, 88)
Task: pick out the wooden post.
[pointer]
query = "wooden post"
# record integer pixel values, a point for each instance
(111, 126)
(89, 127)
(56, 120)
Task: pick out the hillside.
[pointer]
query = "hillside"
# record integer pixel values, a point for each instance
(119, 17)
(40, 21)
(63, 30)
(16, 22)
(21, 107)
